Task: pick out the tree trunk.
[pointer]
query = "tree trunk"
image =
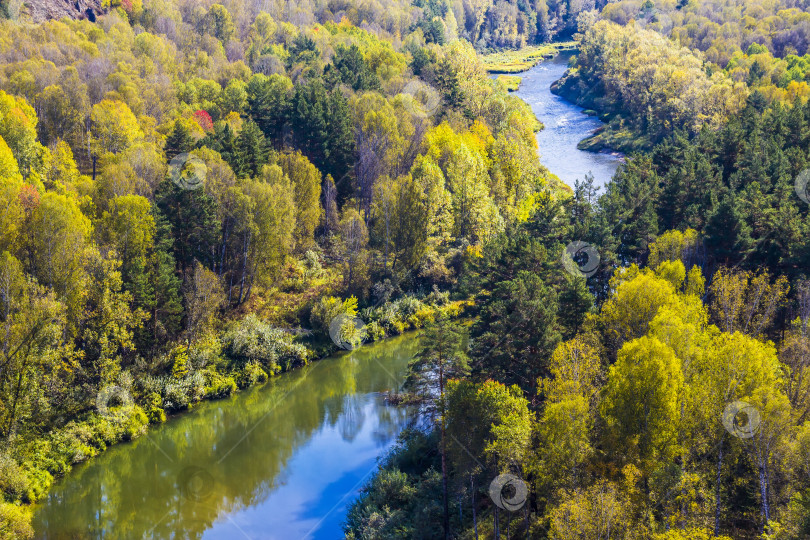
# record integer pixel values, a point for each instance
(444, 455)
(244, 269)
(526, 515)
(717, 492)
(475, 515)
(508, 522)
(763, 491)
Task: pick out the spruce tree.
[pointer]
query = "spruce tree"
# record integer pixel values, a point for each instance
(728, 236)
(179, 140)
(252, 149)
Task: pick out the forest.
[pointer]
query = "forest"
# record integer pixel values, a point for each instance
(191, 193)
(666, 397)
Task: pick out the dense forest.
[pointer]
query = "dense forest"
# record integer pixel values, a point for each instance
(660, 394)
(192, 193)
(189, 200)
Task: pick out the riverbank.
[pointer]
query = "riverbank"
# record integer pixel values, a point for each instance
(562, 146)
(248, 353)
(287, 456)
(519, 60)
(614, 135)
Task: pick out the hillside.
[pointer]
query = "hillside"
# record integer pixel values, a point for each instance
(37, 11)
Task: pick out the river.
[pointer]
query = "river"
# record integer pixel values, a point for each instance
(565, 125)
(282, 461)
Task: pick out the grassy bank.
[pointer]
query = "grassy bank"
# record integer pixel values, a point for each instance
(516, 61)
(511, 82)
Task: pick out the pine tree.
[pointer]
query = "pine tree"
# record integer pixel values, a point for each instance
(179, 141)
(728, 236)
(441, 357)
(156, 290)
(195, 227)
(252, 149)
(575, 303)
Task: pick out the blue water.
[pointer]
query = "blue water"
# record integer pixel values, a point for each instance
(565, 126)
(278, 462)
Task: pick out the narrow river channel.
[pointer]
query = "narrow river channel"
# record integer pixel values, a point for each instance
(282, 461)
(565, 125)
(285, 460)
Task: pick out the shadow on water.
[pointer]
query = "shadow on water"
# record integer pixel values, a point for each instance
(281, 461)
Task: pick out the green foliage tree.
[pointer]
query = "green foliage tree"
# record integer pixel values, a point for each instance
(179, 140)
(306, 183)
(441, 356)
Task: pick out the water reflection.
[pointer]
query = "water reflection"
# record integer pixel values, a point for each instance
(281, 461)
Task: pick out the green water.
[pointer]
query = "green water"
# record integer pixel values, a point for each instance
(282, 461)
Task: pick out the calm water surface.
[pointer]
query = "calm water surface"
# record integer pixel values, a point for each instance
(282, 461)
(278, 462)
(565, 126)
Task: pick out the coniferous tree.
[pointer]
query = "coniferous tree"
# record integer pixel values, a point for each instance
(179, 140)
(728, 236)
(252, 149)
(576, 302)
(441, 357)
(195, 228)
(157, 290)
(269, 103)
(350, 68)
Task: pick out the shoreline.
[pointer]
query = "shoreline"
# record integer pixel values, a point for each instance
(531, 58)
(90, 418)
(573, 128)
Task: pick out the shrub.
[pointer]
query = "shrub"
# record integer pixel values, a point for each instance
(312, 265)
(179, 357)
(176, 395)
(409, 305)
(437, 297)
(329, 307)
(206, 353)
(251, 374)
(254, 340)
(136, 423)
(79, 441)
(374, 332)
(39, 481)
(398, 326)
(424, 316)
(15, 522)
(13, 480)
(218, 386)
(153, 409)
(387, 315)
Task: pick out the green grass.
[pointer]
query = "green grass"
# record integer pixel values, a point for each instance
(515, 61)
(512, 82)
